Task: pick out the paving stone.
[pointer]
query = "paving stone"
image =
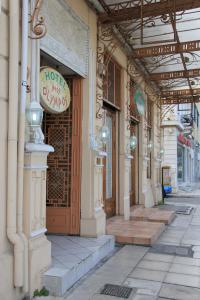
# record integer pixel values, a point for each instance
(196, 254)
(142, 297)
(196, 248)
(148, 274)
(159, 257)
(185, 269)
(182, 279)
(178, 292)
(159, 298)
(154, 265)
(150, 288)
(187, 261)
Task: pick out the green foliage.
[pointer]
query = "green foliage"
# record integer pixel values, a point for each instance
(42, 292)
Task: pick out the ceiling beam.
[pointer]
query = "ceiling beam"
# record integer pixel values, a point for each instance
(175, 75)
(171, 101)
(167, 49)
(178, 93)
(125, 11)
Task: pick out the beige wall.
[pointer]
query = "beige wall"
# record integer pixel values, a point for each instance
(92, 214)
(6, 249)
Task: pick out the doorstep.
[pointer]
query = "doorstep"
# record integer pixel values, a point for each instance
(72, 258)
(152, 215)
(134, 232)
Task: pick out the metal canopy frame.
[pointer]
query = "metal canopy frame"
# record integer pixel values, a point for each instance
(129, 10)
(135, 21)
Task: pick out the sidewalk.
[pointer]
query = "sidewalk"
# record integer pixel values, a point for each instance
(188, 190)
(150, 274)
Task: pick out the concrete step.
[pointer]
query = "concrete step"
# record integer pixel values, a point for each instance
(152, 215)
(134, 232)
(71, 263)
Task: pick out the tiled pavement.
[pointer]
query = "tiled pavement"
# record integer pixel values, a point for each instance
(152, 276)
(184, 231)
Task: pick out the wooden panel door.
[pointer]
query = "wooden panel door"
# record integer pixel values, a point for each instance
(63, 132)
(134, 175)
(109, 181)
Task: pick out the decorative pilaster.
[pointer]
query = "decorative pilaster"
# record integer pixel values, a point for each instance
(35, 165)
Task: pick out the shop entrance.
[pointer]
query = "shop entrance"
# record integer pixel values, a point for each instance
(134, 173)
(63, 132)
(109, 178)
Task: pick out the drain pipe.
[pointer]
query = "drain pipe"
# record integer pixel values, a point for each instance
(12, 144)
(22, 108)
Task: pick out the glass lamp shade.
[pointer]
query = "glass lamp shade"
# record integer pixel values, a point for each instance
(34, 114)
(133, 142)
(162, 151)
(150, 145)
(104, 134)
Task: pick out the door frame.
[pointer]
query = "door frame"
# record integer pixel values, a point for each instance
(113, 114)
(71, 214)
(136, 161)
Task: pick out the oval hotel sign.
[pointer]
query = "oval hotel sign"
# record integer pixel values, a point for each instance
(54, 91)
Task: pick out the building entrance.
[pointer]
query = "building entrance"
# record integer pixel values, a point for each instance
(109, 178)
(134, 173)
(63, 132)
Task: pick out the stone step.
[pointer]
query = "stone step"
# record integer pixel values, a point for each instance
(152, 215)
(64, 273)
(134, 232)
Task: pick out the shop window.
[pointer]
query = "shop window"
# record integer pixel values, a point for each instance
(180, 162)
(149, 135)
(112, 83)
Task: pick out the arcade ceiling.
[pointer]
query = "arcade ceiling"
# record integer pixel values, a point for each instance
(164, 37)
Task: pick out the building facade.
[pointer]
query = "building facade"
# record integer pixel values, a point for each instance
(180, 142)
(59, 175)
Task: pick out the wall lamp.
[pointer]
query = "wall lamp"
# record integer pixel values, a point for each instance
(34, 115)
(99, 141)
(150, 146)
(131, 145)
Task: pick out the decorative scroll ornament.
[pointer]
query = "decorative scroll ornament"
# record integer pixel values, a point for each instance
(37, 25)
(105, 49)
(139, 79)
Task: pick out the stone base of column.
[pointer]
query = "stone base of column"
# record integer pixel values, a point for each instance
(127, 207)
(39, 248)
(94, 227)
(148, 195)
(39, 261)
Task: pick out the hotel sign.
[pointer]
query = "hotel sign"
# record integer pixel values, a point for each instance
(139, 101)
(54, 91)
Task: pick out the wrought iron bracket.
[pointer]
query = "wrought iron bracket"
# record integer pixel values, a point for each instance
(37, 26)
(106, 44)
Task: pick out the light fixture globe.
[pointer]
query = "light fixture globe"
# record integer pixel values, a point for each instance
(162, 151)
(104, 134)
(133, 142)
(34, 114)
(150, 145)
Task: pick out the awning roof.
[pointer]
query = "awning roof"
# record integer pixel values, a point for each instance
(165, 37)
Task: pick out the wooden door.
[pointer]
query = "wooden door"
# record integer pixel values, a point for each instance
(134, 173)
(63, 132)
(109, 180)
